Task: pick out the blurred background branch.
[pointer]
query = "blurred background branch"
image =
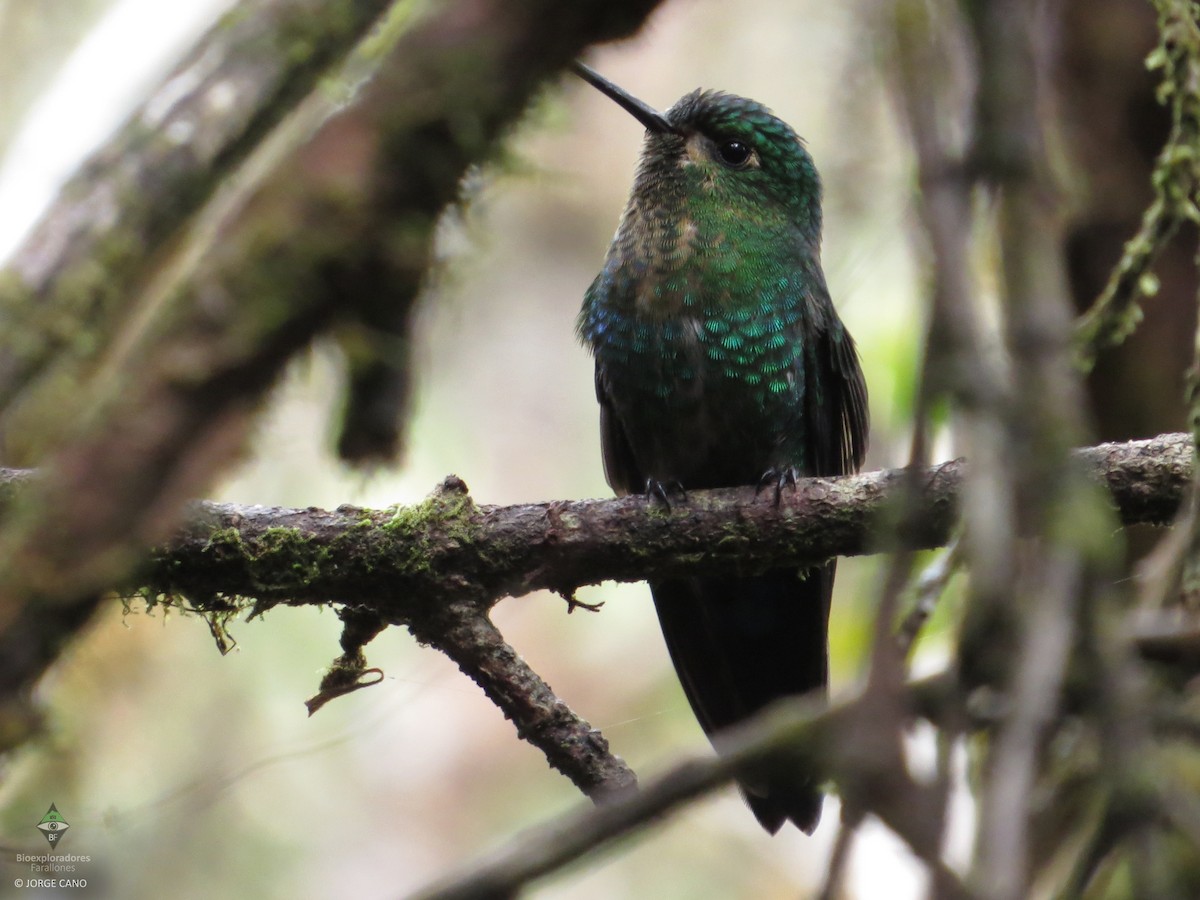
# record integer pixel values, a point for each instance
(76, 279)
(292, 249)
(772, 738)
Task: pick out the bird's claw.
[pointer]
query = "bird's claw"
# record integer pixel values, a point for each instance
(780, 478)
(662, 490)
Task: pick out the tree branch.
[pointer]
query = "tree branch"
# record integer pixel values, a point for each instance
(75, 278)
(406, 561)
(570, 744)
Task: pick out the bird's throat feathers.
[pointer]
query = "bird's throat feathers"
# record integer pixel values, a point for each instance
(695, 228)
(681, 244)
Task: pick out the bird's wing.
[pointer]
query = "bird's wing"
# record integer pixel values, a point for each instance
(620, 469)
(835, 401)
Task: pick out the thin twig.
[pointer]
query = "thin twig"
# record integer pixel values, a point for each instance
(570, 744)
(771, 737)
(930, 585)
(839, 857)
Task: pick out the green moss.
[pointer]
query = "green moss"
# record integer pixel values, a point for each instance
(282, 564)
(294, 558)
(445, 514)
(658, 510)
(281, 560)
(14, 296)
(731, 540)
(224, 538)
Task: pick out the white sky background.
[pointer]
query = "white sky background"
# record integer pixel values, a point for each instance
(131, 47)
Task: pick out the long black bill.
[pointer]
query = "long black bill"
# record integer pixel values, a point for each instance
(647, 115)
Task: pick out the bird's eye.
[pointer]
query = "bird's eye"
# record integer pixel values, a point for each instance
(734, 153)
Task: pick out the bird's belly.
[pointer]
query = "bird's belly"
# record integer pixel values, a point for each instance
(703, 428)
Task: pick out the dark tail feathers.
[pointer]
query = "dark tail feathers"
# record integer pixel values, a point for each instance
(740, 643)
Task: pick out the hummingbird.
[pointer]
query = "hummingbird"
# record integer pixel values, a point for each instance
(720, 361)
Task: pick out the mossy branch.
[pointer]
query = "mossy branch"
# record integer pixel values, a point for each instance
(407, 562)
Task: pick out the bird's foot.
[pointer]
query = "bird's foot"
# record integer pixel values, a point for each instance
(780, 478)
(662, 490)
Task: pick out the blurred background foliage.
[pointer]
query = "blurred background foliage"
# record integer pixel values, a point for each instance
(188, 774)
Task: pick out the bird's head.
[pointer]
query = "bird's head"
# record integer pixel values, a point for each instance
(725, 153)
